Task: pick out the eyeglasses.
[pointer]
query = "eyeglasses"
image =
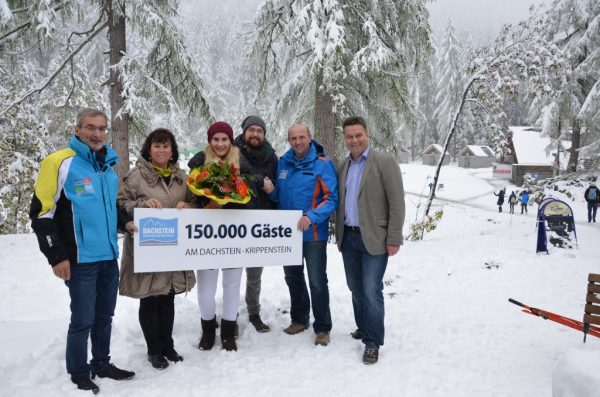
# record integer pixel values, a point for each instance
(93, 128)
(255, 130)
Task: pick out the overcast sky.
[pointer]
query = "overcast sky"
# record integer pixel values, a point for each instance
(479, 17)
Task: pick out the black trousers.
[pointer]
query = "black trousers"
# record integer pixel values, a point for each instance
(157, 314)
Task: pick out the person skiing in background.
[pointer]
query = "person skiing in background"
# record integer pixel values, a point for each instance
(512, 200)
(500, 196)
(524, 197)
(592, 196)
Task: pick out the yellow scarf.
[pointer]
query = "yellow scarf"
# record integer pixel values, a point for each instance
(163, 172)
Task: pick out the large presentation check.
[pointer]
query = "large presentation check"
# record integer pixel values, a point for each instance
(189, 239)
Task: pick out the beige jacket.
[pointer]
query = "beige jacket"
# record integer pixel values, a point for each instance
(141, 184)
(380, 202)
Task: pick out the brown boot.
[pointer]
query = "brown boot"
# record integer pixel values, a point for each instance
(322, 338)
(207, 341)
(295, 328)
(228, 335)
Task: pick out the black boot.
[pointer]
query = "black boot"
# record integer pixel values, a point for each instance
(207, 341)
(172, 355)
(158, 361)
(258, 324)
(111, 371)
(228, 335)
(86, 384)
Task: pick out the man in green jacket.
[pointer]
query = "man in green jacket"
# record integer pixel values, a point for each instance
(369, 222)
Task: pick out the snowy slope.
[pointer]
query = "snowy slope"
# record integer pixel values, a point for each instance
(450, 329)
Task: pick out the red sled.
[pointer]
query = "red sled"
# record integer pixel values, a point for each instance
(586, 328)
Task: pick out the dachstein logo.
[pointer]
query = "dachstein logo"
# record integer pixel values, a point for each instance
(156, 231)
(83, 186)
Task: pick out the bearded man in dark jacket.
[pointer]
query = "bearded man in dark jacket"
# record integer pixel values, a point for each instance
(259, 153)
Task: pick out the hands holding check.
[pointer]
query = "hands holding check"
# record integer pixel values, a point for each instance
(150, 203)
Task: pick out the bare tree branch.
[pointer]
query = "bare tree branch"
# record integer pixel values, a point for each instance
(448, 137)
(25, 51)
(58, 70)
(90, 30)
(15, 30)
(479, 103)
(20, 10)
(72, 86)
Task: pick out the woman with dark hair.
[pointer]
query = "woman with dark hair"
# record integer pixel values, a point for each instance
(156, 181)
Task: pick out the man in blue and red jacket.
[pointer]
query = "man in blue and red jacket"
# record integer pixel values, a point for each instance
(307, 181)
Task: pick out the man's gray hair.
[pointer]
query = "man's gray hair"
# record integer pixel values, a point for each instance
(89, 112)
(300, 124)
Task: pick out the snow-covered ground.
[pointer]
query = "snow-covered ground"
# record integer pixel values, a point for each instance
(450, 329)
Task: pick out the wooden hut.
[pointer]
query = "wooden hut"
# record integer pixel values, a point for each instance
(431, 155)
(475, 156)
(402, 154)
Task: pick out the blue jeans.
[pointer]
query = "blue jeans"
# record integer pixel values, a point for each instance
(93, 291)
(315, 257)
(592, 209)
(364, 276)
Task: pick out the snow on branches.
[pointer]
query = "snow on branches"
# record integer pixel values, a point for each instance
(356, 57)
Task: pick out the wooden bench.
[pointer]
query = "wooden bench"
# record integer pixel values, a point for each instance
(591, 314)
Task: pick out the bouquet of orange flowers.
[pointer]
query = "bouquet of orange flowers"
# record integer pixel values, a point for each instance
(220, 182)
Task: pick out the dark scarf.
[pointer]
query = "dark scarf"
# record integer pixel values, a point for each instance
(99, 156)
(259, 155)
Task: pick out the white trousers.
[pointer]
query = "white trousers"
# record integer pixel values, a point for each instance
(206, 285)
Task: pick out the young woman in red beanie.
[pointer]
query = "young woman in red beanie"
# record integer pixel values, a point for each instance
(220, 148)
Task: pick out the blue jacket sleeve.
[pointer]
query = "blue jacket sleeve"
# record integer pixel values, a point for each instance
(327, 183)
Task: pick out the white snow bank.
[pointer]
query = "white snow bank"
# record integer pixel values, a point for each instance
(576, 373)
(449, 328)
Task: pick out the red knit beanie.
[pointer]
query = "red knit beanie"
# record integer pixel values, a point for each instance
(220, 126)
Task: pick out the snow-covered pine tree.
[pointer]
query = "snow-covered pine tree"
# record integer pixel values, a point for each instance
(21, 149)
(218, 39)
(320, 60)
(156, 76)
(424, 93)
(450, 81)
(574, 104)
